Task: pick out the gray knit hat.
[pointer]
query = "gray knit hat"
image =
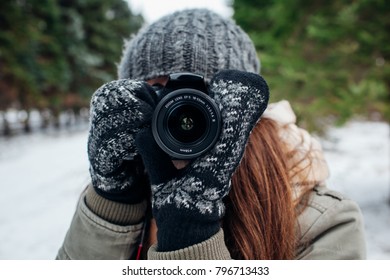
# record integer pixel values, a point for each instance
(195, 40)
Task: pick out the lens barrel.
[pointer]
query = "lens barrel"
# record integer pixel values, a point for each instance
(186, 123)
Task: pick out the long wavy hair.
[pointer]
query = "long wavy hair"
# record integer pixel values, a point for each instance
(260, 222)
(261, 212)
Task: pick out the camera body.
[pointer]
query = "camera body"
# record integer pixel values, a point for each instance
(186, 122)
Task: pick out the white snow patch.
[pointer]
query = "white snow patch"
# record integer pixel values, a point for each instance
(43, 175)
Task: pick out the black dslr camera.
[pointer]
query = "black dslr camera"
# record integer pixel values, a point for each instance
(186, 122)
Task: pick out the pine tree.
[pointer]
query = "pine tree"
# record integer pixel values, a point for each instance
(55, 53)
(329, 58)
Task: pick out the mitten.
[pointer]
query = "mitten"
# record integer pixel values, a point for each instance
(188, 203)
(119, 109)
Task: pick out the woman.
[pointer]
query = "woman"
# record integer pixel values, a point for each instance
(258, 193)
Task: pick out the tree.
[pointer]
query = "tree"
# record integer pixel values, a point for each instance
(330, 58)
(55, 53)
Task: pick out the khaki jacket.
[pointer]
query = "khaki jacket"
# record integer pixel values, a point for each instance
(330, 227)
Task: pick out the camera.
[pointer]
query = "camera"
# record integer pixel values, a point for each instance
(186, 122)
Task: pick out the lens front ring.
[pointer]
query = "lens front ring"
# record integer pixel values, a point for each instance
(176, 111)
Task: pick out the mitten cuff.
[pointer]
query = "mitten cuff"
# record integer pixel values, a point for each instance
(112, 211)
(180, 228)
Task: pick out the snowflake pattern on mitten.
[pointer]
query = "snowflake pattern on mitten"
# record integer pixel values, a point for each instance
(118, 110)
(242, 98)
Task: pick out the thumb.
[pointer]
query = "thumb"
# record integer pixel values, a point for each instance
(157, 163)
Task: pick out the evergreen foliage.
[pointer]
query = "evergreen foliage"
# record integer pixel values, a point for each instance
(329, 58)
(55, 53)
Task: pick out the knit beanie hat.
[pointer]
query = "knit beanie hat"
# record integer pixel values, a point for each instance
(195, 40)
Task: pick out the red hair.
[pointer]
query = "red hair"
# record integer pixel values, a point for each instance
(260, 210)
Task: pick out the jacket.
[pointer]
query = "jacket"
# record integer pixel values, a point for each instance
(330, 227)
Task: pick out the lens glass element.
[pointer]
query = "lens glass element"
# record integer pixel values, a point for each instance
(187, 123)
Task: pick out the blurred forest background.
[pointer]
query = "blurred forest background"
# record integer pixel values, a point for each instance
(54, 54)
(329, 58)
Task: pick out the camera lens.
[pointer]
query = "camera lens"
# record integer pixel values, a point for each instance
(187, 123)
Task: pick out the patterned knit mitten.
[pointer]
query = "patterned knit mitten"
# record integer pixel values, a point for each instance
(119, 109)
(187, 204)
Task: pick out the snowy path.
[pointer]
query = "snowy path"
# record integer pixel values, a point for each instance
(41, 177)
(359, 159)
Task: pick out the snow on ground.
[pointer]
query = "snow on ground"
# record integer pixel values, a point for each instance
(41, 176)
(359, 159)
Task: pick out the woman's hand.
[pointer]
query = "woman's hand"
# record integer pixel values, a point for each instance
(119, 109)
(187, 203)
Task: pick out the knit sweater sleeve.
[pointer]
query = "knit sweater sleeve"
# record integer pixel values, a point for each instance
(213, 248)
(93, 237)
